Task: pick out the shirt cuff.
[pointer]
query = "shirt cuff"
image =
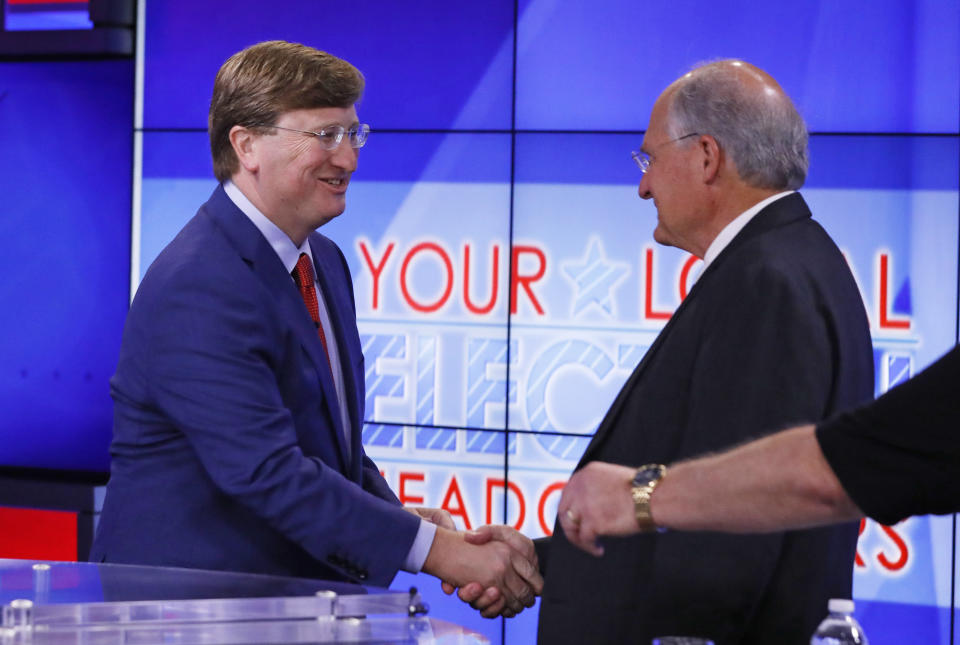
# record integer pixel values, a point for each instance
(420, 547)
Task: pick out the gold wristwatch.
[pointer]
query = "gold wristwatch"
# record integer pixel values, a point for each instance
(641, 488)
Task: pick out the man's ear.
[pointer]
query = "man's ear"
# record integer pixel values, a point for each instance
(244, 144)
(712, 157)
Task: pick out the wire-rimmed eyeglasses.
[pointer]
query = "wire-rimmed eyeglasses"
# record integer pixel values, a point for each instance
(330, 136)
(643, 159)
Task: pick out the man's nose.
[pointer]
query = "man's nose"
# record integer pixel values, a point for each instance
(644, 188)
(344, 156)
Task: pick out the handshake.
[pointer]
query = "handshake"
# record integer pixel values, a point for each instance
(494, 567)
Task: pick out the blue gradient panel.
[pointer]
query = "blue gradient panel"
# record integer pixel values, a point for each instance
(66, 132)
(885, 162)
(471, 492)
(523, 627)
(955, 614)
(902, 579)
(177, 179)
(45, 16)
(430, 64)
(599, 66)
(887, 623)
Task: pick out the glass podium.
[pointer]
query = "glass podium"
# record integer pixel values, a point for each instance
(59, 603)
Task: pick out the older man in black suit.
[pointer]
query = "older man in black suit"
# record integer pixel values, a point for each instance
(773, 333)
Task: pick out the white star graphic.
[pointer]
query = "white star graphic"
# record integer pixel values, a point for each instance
(594, 277)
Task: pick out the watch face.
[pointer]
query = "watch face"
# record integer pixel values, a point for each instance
(647, 474)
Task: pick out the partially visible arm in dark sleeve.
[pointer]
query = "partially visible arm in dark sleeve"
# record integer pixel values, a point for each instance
(899, 455)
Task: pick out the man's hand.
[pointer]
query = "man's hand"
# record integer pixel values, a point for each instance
(597, 501)
(506, 579)
(489, 601)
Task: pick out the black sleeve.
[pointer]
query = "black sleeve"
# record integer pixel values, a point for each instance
(900, 455)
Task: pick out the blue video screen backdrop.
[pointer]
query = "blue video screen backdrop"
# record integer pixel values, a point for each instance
(65, 129)
(30, 15)
(600, 65)
(505, 273)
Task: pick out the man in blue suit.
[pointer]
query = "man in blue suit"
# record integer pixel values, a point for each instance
(239, 391)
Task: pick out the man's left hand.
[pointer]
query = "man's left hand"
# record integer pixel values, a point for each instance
(597, 501)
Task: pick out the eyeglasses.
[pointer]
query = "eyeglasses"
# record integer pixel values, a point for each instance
(331, 136)
(643, 159)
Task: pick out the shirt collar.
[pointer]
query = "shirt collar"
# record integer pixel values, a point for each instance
(278, 240)
(730, 231)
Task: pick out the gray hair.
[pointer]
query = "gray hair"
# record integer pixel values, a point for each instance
(766, 139)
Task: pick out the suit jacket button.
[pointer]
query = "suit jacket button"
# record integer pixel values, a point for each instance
(362, 575)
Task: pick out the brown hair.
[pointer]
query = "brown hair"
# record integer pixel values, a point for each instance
(261, 82)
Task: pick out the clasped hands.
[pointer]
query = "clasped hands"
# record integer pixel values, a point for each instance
(494, 567)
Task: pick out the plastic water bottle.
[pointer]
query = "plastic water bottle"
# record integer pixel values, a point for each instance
(839, 627)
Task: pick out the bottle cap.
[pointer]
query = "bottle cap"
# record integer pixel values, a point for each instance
(840, 606)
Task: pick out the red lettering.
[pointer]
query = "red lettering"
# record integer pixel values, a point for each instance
(448, 265)
(648, 312)
(857, 560)
(887, 320)
(548, 491)
(684, 275)
(375, 271)
(526, 280)
(901, 561)
(453, 490)
(404, 497)
(494, 263)
(495, 483)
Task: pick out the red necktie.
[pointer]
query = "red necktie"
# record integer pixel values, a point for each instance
(303, 276)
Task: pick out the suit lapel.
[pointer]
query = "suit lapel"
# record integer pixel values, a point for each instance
(783, 211)
(266, 265)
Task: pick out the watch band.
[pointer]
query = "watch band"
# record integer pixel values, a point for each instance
(641, 489)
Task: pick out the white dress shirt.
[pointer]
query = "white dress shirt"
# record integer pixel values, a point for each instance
(730, 231)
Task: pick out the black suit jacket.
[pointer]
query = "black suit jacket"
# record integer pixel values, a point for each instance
(774, 333)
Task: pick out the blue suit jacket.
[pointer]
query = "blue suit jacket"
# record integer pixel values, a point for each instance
(228, 451)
